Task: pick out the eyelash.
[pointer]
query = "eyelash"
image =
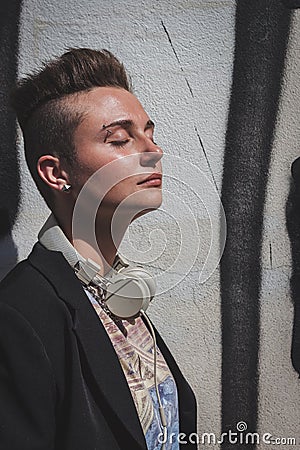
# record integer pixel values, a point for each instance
(119, 143)
(123, 143)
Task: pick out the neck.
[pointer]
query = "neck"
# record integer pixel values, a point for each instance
(108, 235)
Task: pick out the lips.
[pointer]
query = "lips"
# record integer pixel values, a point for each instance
(153, 180)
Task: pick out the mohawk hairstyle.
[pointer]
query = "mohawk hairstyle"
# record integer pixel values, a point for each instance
(75, 71)
(44, 107)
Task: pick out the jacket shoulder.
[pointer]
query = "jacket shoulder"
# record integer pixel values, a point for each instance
(29, 292)
(35, 300)
(26, 289)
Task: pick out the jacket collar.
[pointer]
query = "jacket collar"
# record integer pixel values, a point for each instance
(90, 332)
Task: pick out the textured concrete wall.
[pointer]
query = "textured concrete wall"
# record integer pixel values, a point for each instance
(180, 57)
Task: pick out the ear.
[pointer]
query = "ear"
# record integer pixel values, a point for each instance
(50, 170)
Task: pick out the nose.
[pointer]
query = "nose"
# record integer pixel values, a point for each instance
(151, 155)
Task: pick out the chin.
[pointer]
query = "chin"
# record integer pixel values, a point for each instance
(147, 203)
(150, 198)
(143, 212)
(135, 205)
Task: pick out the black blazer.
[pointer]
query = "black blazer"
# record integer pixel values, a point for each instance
(61, 384)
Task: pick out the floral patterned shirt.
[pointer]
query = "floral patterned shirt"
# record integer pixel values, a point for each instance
(134, 347)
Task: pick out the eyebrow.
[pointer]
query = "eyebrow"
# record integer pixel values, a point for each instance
(126, 123)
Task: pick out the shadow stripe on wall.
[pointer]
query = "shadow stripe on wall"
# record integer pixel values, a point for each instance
(261, 34)
(9, 167)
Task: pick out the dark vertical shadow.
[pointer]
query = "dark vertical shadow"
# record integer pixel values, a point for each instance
(293, 226)
(261, 34)
(292, 4)
(9, 168)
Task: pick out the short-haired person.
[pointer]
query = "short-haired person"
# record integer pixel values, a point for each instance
(81, 366)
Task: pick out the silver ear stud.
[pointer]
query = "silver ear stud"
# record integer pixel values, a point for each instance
(66, 188)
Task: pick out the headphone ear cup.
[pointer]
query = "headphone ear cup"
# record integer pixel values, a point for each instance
(141, 274)
(127, 295)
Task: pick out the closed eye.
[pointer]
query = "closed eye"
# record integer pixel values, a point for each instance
(119, 143)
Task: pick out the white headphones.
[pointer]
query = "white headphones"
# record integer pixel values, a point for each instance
(127, 290)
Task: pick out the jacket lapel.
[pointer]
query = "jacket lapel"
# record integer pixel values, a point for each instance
(186, 398)
(95, 343)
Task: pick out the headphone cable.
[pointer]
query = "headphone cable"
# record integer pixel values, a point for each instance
(161, 409)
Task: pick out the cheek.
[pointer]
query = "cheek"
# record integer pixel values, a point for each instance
(121, 190)
(100, 166)
(113, 162)
(111, 177)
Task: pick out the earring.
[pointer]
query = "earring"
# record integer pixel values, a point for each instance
(66, 188)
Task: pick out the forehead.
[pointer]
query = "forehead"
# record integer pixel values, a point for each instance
(107, 104)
